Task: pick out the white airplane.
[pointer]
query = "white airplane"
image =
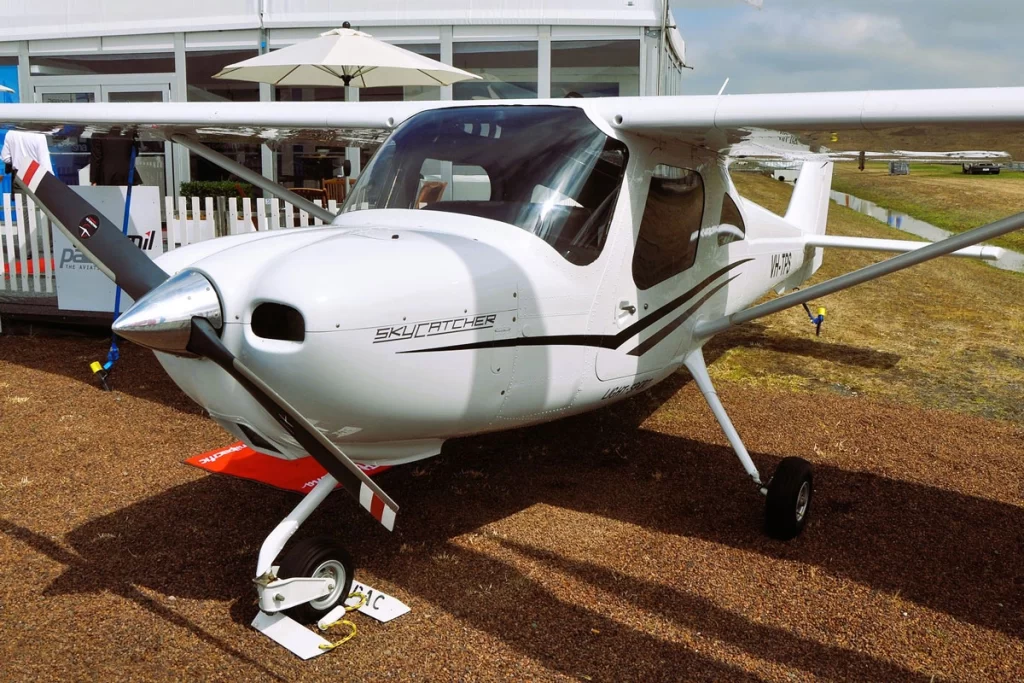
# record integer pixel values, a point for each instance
(496, 265)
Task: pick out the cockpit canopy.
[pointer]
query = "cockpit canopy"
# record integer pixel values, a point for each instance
(547, 170)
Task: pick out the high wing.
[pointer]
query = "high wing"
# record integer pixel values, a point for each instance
(796, 126)
(356, 124)
(801, 126)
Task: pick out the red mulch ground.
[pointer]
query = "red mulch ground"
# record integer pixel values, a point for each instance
(622, 545)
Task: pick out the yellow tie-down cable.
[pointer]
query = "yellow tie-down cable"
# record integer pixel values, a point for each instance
(352, 633)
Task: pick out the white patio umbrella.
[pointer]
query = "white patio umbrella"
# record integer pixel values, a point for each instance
(344, 57)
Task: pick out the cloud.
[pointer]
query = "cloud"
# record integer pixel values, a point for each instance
(798, 45)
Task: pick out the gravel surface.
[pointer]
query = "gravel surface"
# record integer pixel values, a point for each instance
(621, 545)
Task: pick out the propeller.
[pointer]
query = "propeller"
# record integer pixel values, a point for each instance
(93, 234)
(182, 315)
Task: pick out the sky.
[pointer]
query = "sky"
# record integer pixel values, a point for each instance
(807, 45)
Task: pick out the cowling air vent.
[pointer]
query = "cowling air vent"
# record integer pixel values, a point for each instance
(277, 321)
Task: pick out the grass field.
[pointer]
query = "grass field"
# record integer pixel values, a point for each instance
(914, 336)
(939, 194)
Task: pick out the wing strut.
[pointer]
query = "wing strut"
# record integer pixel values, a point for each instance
(250, 176)
(941, 248)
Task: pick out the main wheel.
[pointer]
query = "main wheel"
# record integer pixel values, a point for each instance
(319, 557)
(789, 499)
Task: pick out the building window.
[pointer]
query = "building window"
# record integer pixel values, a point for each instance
(731, 227)
(308, 164)
(595, 68)
(507, 70)
(88, 65)
(670, 227)
(200, 67)
(409, 92)
(9, 79)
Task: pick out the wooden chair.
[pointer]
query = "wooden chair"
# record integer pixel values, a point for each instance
(337, 188)
(431, 192)
(312, 194)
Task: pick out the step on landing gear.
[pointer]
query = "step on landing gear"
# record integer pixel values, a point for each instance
(789, 492)
(313, 576)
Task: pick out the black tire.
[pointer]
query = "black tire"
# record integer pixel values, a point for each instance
(789, 503)
(306, 558)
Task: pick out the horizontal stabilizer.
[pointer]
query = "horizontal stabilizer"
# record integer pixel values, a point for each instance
(985, 253)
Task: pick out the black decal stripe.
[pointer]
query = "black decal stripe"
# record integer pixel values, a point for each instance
(667, 309)
(664, 332)
(599, 340)
(605, 341)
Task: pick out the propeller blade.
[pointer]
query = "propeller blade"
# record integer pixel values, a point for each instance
(205, 342)
(99, 239)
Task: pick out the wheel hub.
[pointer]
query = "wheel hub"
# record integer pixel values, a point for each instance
(803, 498)
(335, 571)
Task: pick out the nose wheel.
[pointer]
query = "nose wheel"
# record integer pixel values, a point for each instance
(789, 499)
(318, 558)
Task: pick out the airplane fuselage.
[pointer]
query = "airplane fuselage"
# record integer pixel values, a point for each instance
(422, 325)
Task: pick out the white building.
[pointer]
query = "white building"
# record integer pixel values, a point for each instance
(131, 51)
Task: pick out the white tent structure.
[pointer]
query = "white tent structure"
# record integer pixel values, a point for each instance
(344, 57)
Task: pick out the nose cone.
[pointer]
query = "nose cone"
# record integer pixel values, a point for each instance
(162, 319)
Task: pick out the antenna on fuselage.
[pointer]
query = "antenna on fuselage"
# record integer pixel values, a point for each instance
(722, 89)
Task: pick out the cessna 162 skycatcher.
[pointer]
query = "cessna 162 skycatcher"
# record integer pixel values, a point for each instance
(496, 265)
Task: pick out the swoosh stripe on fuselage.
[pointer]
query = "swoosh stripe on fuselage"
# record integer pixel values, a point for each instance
(660, 335)
(605, 341)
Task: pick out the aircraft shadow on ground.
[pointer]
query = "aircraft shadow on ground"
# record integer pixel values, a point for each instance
(137, 373)
(950, 552)
(757, 335)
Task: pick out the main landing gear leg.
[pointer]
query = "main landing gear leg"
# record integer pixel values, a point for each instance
(313, 576)
(788, 493)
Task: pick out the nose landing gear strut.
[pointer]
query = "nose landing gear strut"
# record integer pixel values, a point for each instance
(313, 576)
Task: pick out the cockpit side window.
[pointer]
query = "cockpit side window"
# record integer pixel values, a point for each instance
(731, 227)
(670, 227)
(547, 170)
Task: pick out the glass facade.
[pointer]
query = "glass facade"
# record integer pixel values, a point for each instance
(595, 68)
(84, 65)
(507, 70)
(307, 165)
(511, 59)
(200, 67)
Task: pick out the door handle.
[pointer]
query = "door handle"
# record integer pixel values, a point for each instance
(626, 306)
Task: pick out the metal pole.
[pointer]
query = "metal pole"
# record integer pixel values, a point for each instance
(912, 258)
(661, 43)
(251, 176)
(220, 217)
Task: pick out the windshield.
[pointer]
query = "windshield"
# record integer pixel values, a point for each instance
(547, 170)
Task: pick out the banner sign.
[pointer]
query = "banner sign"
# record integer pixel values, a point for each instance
(81, 286)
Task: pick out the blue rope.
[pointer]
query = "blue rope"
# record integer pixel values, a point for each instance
(114, 354)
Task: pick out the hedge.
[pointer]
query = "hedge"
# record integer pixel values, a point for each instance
(216, 188)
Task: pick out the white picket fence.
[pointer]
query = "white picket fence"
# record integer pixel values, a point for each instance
(25, 242)
(187, 222)
(27, 255)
